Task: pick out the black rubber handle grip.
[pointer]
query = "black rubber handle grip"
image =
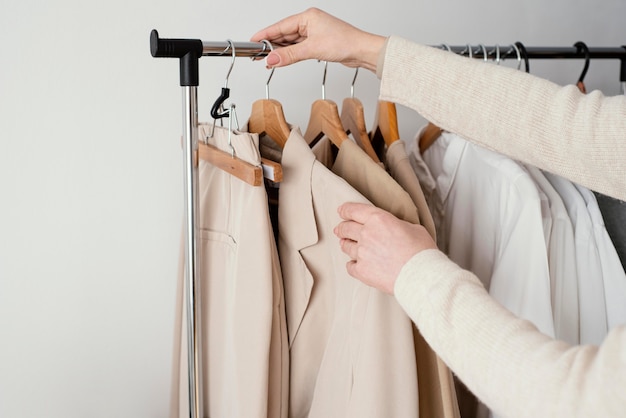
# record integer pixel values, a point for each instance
(173, 48)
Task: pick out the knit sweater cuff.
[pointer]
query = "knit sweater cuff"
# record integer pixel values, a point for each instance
(381, 60)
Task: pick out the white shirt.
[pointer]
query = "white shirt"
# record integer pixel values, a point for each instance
(593, 322)
(562, 262)
(488, 216)
(613, 275)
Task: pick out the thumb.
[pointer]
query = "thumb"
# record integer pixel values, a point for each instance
(287, 55)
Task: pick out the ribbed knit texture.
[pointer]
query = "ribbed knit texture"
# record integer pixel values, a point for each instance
(512, 367)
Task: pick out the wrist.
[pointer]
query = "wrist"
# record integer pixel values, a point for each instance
(373, 46)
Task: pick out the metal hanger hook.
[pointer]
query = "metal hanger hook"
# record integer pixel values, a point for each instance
(267, 83)
(324, 80)
(518, 54)
(485, 53)
(524, 54)
(217, 110)
(231, 46)
(356, 72)
(468, 49)
(261, 53)
(497, 57)
(232, 114)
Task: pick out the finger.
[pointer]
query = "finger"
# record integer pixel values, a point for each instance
(358, 212)
(351, 267)
(349, 230)
(288, 55)
(282, 31)
(350, 248)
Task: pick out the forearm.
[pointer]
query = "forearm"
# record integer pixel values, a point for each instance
(581, 137)
(504, 360)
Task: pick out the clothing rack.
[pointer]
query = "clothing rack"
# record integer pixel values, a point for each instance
(189, 51)
(520, 52)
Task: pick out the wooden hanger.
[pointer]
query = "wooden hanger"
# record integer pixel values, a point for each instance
(325, 120)
(353, 120)
(385, 124)
(428, 136)
(243, 170)
(267, 116)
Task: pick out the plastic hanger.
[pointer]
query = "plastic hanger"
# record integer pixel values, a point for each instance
(353, 120)
(217, 110)
(581, 80)
(325, 120)
(267, 115)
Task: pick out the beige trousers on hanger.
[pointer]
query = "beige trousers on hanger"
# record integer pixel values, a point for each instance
(244, 339)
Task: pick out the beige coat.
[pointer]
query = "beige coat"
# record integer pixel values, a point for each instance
(437, 397)
(351, 346)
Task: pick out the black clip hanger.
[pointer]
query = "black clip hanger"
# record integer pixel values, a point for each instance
(217, 110)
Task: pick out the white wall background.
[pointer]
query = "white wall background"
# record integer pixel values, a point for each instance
(91, 171)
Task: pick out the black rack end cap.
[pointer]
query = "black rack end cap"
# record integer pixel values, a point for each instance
(173, 48)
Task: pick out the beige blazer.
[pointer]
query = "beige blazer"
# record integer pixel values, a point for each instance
(244, 346)
(351, 346)
(437, 396)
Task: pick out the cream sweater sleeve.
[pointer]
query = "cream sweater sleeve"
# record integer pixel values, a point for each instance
(580, 137)
(506, 361)
(511, 366)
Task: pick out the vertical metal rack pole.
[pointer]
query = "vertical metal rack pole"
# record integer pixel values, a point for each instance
(188, 51)
(190, 146)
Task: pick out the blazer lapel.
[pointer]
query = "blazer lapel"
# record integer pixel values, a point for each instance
(298, 228)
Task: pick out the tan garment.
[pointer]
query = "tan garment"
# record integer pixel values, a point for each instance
(244, 345)
(399, 166)
(351, 346)
(437, 396)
